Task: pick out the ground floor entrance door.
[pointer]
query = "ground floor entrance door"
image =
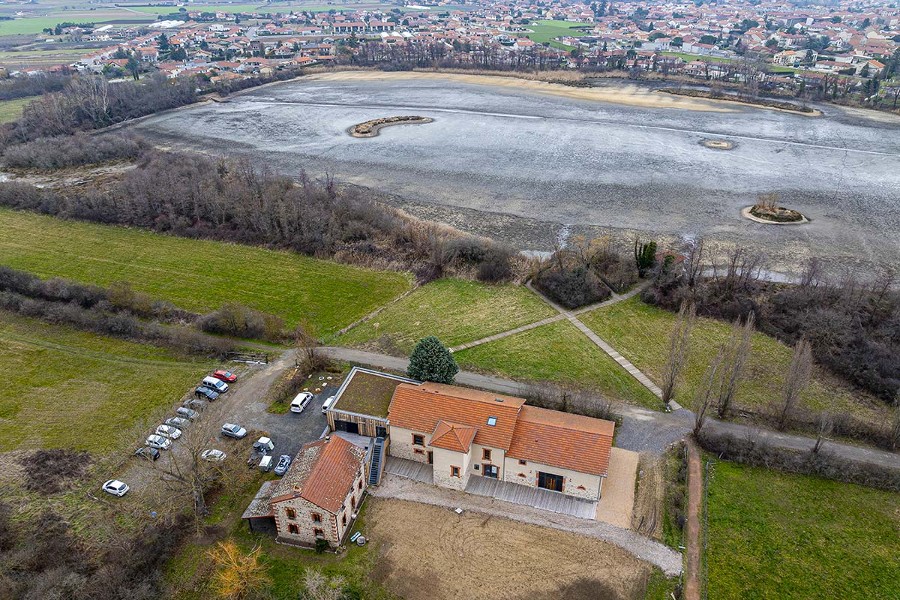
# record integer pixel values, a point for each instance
(490, 471)
(346, 426)
(550, 481)
(430, 457)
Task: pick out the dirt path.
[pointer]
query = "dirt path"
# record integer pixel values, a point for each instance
(692, 527)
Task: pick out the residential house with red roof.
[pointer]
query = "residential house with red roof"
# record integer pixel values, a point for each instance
(318, 496)
(464, 433)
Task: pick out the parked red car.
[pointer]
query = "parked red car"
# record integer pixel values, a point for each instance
(226, 376)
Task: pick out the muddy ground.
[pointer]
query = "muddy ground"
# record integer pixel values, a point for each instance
(530, 162)
(431, 553)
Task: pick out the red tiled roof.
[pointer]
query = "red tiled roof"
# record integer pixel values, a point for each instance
(421, 407)
(453, 436)
(323, 473)
(563, 440)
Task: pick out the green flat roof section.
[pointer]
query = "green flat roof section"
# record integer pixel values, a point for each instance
(367, 392)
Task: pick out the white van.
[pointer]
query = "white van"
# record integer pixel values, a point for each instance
(300, 401)
(327, 404)
(216, 384)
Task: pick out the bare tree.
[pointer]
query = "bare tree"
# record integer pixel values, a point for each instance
(183, 474)
(737, 352)
(679, 346)
(895, 423)
(824, 428)
(796, 380)
(703, 399)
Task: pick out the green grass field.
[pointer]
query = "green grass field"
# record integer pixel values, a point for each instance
(70, 389)
(197, 275)
(455, 311)
(786, 537)
(641, 333)
(558, 352)
(36, 24)
(546, 31)
(11, 110)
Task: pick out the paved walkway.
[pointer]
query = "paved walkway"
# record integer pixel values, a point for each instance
(643, 548)
(602, 344)
(617, 494)
(531, 496)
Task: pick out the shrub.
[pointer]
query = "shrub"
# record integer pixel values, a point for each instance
(571, 287)
(432, 361)
(237, 320)
(73, 151)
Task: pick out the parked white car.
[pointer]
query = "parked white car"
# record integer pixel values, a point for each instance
(215, 384)
(116, 487)
(327, 404)
(159, 442)
(173, 433)
(300, 401)
(213, 455)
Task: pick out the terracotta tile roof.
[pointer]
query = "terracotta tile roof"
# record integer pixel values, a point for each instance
(453, 436)
(323, 473)
(421, 407)
(563, 440)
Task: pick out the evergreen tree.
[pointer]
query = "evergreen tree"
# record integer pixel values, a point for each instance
(432, 361)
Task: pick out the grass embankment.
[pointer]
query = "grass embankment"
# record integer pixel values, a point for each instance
(11, 110)
(640, 332)
(197, 275)
(543, 32)
(560, 353)
(774, 535)
(454, 310)
(70, 389)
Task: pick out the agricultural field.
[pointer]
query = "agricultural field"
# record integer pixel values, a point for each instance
(543, 32)
(454, 310)
(29, 25)
(11, 110)
(558, 352)
(70, 389)
(640, 332)
(17, 59)
(197, 275)
(775, 535)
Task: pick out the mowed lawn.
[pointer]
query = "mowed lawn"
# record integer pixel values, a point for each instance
(560, 353)
(640, 332)
(70, 389)
(454, 310)
(785, 537)
(197, 275)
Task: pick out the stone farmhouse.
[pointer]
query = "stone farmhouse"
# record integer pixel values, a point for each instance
(463, 433)
(318, 496)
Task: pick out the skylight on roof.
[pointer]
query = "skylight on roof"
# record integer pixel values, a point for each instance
(492, 421)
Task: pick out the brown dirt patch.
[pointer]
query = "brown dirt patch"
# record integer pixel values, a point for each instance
(647, 518)
(432, 553)
(371, 128)
(717, 144)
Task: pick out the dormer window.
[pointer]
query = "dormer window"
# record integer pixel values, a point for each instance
(492, 421)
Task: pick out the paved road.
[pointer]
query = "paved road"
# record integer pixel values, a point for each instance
(642, 430)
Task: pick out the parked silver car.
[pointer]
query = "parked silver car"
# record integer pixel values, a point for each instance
(173, 433)
(178, 422)
(159, 442)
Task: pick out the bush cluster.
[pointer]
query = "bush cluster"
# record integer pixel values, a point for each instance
(757, 451)
(570, 399)
(237, 320)
(196, 196)
(73, 151)
(571, 286)
(854, 329)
